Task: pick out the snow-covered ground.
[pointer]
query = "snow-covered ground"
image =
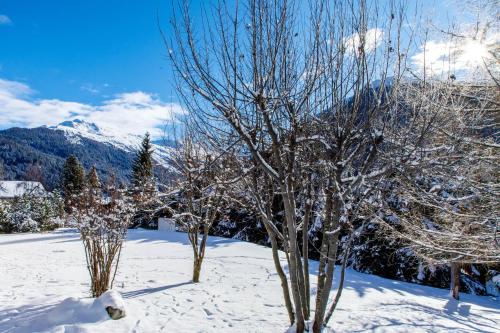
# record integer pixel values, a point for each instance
(239, 292)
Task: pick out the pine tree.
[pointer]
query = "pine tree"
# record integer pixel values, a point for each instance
(143, 184)
(92, 184)
(142, 169)
(2, 174)
(73, 180)
(92, 179)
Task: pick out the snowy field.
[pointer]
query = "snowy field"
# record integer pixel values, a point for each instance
(239, 291)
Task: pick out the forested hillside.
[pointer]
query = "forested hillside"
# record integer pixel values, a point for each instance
(21, 148)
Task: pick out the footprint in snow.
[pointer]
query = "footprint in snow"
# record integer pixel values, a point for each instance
(270, 305)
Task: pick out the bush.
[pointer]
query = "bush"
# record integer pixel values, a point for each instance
(103, 221)
(4, 221)
(31, 214)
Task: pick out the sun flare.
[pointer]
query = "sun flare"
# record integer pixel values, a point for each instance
(473, 53)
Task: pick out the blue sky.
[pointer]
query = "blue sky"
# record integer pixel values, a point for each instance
(85, 50)
(68, 59)
(98, 59)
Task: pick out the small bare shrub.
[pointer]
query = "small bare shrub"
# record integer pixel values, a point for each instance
(103, 219)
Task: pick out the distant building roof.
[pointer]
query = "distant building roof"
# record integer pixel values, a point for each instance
(11, 189)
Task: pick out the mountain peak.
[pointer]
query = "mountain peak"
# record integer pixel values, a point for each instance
(77, 128)
(79, 124)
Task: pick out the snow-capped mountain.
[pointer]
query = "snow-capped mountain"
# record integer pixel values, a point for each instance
(76, 129)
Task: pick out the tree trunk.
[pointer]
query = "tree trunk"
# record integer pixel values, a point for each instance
(197, 269)
(327, 217)
(305, 255)
(455, 280)
(281, 274)
(294, 257)
(329, 266)
(333, 245)
(341, 283)
(302, 285)
(322, 299)
(332, 255)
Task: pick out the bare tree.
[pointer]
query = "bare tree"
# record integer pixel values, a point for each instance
(452, 204)
(300, 97)
(250, 96)
(200, 194)
(34, 172)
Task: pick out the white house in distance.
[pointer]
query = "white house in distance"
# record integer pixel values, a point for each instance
(10, 189)
(166, 224)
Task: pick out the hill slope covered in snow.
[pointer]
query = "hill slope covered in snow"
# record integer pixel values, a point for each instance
(239, 291)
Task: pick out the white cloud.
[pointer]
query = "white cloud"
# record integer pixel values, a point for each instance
(462, 57)
(373, 39)
(90, 89)
(5, 20)
(135, 112)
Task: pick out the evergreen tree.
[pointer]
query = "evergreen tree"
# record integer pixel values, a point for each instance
(92, 179)
(73, 179)
(93, 184)
(2, 173)
(143, 184)
(142, 169)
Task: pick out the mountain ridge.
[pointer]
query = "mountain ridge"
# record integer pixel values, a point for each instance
(48, 147)
(78, 128)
